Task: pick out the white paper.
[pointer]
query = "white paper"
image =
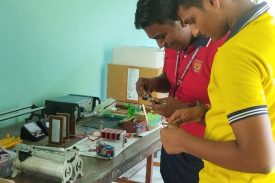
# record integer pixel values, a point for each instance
(56, 125)
(32, 127)
(133, 75)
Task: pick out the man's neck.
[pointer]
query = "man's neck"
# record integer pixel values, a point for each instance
(239, 8)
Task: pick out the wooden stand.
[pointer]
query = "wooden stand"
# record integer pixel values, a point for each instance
(66, 124)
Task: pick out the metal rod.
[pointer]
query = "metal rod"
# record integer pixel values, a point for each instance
(20, 114)
(56, 149)
(15, 110)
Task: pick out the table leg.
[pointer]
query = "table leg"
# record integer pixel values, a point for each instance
(149, 169)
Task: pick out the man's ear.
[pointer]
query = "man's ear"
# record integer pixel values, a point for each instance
(212, 3)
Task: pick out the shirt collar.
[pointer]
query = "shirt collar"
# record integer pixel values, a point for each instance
(201, 41)
(250, 15)
(197, 42)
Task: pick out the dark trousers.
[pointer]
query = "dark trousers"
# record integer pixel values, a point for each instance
(180, 168)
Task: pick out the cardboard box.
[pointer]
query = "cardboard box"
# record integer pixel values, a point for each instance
(118, 82)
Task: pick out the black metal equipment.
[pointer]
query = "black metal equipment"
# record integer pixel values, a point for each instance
(76, 105)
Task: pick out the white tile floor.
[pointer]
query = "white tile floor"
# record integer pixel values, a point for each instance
(140, 175)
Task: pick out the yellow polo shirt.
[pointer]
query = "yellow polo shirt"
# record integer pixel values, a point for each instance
(242, 84)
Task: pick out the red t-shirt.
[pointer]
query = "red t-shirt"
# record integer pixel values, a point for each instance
(195, 82)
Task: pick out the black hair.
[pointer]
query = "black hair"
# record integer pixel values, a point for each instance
(149, 12)
(189, 3)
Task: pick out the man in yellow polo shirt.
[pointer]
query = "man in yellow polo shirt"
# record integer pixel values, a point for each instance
(240, 127)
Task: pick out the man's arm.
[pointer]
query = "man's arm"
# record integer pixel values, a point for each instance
(253, 150)
(168, 105)
(161, 83)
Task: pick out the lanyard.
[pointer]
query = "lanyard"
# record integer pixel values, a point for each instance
(178, 80)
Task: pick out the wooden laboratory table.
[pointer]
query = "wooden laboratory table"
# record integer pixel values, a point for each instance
(99, 170)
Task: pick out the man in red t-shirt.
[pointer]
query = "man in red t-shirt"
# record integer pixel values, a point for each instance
(186, 73)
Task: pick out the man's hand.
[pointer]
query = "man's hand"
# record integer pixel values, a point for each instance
(171, 139)
(167, 106)
(245, 154)
(186, 115)
(144, 86)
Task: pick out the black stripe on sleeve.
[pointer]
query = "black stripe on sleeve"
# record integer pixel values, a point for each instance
(248, 112)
